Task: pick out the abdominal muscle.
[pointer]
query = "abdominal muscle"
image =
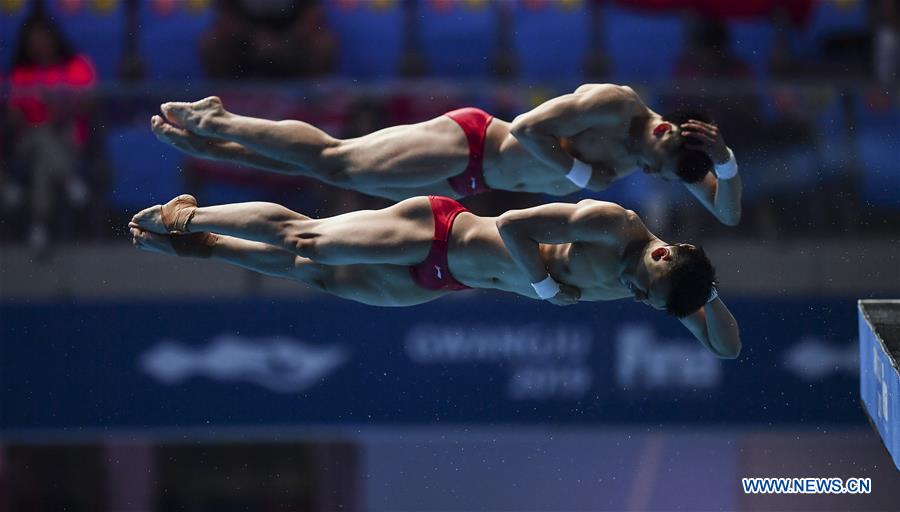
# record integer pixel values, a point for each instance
(478, 258)
(510, 166)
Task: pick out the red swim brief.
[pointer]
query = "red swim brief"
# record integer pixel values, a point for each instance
(434, 272)
(474, 123)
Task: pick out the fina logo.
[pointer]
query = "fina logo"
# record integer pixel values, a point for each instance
(283, 365)
(644, 361)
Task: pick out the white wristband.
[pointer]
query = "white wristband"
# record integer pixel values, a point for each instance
(729, 169)
(546, 289)
(580, 174)
(713, 295)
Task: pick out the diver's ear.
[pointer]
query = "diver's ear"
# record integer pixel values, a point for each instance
(662, 253)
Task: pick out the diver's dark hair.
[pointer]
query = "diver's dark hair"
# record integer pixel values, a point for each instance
(693, 278)
(691, 165)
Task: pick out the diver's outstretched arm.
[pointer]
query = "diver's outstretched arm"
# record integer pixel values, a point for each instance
(719, 191)
(716, 328)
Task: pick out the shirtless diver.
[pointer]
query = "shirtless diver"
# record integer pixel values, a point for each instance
(588, 139)
(423, 248)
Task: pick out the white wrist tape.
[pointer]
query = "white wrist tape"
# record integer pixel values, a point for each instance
(713, 295)
(580, 174)
(546, 289)
(729, 169)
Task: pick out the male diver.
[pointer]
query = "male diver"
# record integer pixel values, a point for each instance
(423, 248)
(588, 139)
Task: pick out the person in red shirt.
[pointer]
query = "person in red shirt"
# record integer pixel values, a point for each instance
(48, 121)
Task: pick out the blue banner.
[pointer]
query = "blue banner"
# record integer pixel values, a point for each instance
(470, 358)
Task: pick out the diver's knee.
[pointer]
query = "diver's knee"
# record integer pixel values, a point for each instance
(301, 238)
(336, 162)
(307, 247)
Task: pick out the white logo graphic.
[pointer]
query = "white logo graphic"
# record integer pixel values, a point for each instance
(882, 391)
(644, 361)
(813, 359)
(545, 361)
(437, 270)
(284, 365)
(473, 183)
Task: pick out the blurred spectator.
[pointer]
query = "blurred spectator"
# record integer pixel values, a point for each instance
(268, 39)
(504, 65)
(131, 64)
(707, 56)
(412, 61)
(708, 53)
(887, 41)
(48, 121)
(837, 50)
(597, 63)
(781, 59)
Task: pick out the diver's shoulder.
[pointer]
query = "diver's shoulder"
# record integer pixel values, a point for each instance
(605, 86)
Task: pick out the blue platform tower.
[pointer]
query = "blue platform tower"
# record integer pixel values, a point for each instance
(879, 353)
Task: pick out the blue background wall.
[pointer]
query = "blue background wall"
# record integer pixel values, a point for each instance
(301, 362)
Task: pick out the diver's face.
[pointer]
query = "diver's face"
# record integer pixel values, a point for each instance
(651, 284)
(657, 160)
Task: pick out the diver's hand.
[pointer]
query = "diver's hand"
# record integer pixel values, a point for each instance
(706, 137)
(567, 295)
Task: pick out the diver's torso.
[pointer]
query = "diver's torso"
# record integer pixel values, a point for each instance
(478, 258)
(510, 166)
